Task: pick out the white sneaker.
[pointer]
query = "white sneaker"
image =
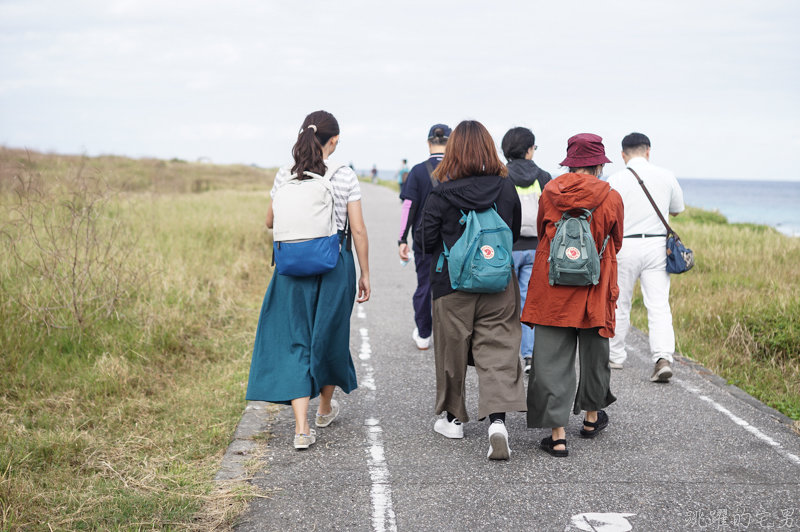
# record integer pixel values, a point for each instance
(615, 365)
(422, 343)
(498, 441)
(449, 429)
(527, 363)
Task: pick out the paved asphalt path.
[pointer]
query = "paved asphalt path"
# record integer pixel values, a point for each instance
(680, 456)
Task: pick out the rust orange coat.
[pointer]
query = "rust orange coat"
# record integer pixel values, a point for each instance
(584, 307)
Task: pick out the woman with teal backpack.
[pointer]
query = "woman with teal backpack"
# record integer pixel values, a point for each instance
(482, 326)
(302, 345)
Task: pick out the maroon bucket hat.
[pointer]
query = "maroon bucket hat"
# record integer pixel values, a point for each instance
(585, 149)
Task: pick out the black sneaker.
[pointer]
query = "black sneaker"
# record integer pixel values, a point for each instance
(527, 365)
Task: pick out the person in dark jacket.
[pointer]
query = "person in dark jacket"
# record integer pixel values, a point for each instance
(414, 193)
(483, 326)
(518, 146)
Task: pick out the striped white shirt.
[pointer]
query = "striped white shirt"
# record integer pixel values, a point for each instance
(346, 189)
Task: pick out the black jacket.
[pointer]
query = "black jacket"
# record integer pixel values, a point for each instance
(523, 172)
(443, 211)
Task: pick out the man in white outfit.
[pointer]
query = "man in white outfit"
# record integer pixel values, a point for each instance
(643, 255)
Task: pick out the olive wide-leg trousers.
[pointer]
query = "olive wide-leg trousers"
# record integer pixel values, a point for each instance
(551, 384)
(488, 327)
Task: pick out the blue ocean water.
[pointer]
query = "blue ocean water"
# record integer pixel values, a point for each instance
(775, 203)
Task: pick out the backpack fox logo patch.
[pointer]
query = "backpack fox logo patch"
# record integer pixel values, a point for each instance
(573, 253)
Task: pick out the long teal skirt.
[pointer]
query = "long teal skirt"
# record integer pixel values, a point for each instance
(303, 336)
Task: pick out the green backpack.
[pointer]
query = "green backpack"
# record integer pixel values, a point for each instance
(574, 260)
(480, 261)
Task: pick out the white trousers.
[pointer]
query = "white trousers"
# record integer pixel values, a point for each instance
(644, 259)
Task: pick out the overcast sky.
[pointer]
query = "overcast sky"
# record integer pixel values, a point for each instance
(714, 84)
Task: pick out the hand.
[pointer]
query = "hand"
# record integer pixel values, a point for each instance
(403, 250)
(363, 289)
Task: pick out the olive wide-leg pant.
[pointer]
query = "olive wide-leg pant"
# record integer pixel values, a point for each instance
(488, 327)
(551, 384)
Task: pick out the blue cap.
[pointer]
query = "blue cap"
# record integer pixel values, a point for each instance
(443, 127)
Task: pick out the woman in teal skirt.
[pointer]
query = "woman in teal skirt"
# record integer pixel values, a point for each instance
(302, 345)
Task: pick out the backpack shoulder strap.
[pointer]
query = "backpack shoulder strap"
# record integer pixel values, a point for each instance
(332, 168)
(429, 168)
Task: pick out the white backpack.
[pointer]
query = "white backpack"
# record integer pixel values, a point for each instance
(305, 236)
(529, 198)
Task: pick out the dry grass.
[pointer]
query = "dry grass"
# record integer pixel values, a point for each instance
(120, 425)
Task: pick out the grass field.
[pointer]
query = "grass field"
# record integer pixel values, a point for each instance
(738, 310)
(124, 366)
(120, 424)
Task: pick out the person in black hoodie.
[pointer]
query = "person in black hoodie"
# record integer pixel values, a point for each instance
(482, 327)
(518, 146)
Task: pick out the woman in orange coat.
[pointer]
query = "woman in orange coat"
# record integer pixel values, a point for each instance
(565, 314)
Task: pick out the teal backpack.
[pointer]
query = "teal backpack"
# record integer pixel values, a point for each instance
(480, 261)
(574, 260)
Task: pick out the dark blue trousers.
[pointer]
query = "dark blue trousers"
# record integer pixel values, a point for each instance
(422, 297)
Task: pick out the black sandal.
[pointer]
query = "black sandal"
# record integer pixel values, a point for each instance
(548, 445)
(599, 425)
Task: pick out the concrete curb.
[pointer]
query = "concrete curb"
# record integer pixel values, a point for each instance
(254, 420)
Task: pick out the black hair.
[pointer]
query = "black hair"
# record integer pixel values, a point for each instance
(438, 138)
(516, 143)
(635, 142)
(307, 151)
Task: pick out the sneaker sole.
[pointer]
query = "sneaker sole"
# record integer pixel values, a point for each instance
(447, 435)
(499, 450)
(662, 376)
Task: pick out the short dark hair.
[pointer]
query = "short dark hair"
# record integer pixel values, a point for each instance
(635, 142)
(516, 143)
(438, 138)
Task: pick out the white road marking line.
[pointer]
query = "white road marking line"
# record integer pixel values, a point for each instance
(366, 351)
(383, 517)
(610, 522)
(741, 422)
(360, 312)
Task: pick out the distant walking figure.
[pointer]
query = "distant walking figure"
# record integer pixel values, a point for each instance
(414, 193)
(481, 326)
(569, 316)
(302, 345)
(402, 174)
(644, 255)
(374, 173)
(519, 145)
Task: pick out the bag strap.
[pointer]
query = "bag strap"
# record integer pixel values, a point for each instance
(429, 168)
(653, 203)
